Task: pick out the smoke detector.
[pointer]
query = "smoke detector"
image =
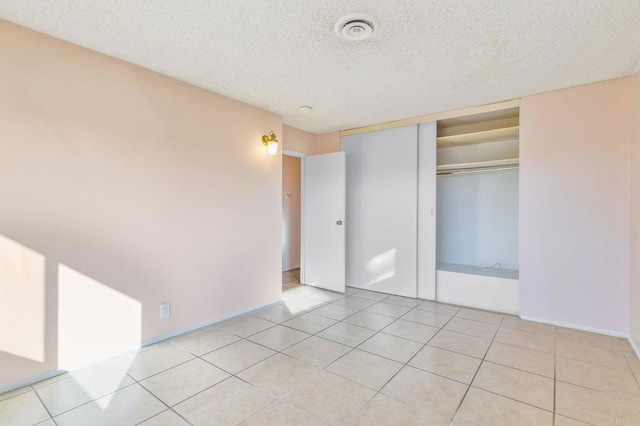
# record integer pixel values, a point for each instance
(356, 26)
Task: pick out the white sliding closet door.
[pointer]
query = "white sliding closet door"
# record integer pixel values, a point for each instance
(427, 164)
(382, 204)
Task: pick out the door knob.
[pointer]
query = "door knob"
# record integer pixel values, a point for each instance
(339, 222)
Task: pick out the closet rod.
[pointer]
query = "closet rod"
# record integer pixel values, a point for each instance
(476, 170)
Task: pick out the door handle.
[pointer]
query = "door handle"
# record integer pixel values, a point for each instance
(339, 223)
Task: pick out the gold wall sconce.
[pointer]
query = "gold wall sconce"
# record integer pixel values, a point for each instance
(271, 143)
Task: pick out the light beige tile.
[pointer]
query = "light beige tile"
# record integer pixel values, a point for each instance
(278, 337)
(614, 381)
(351, 290)
(403, 301)
(593, 354)
(432, 319)
(179, 383)
(327, 296)
(625, 346)
(391, 347)
(238, 356)
(22, 409)
(523, 359)
(633, 362)
(524, 339)
(461, 343)
(65, 375)
(382, 410)
(372, 295)
(244, 326)
(347, 334)
(530, 326)
(446, 363)
(478, 315)
(230, 403)
(278, 374)
(566, 421)
(127, 406)
(516, 384)
(388, 309)
(355, 302)
(336, 312)
(276, 313)
(426, 391)
(166, 418)
(329, 397)
(484, 408)
(11, 394)
(370, 320)
(202, 341)
(310, 323)
(439, 308)
(303, 305)
(410, 330)
(85, 385)
(46, 423)
(156, 358)
(317, 351)
(366, 369)
(281, 413)
(587, 338)
(479, 329)
(591, 406)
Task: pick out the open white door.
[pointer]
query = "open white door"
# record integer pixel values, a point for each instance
(323, 227)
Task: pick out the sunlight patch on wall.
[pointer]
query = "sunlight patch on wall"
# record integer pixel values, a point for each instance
(94, 320)
(22, 293)
(381, 267)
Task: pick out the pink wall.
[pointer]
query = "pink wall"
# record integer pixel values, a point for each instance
(134, 185)
(291, 206)
(574, 205)
(307, 143)
(634, 281)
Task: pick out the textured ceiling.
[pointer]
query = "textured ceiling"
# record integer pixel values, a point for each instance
(426, 56)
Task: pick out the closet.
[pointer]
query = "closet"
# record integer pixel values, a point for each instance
(432, 210)
(477, 211)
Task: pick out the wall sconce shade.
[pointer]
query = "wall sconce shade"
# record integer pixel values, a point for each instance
(271, 143)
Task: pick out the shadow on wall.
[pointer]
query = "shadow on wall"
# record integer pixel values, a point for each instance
(94, 321)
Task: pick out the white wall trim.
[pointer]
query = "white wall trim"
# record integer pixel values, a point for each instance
(206, 323)
(31, 380)
(634, 346)
(293, 153)
(52, 373)
(576, 326)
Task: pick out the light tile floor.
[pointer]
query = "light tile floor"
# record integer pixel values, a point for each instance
(362, 358)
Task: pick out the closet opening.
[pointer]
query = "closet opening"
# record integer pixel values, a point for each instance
(477, 183)
(291, 220)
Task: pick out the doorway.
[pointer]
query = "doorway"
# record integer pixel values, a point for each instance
(291, 220)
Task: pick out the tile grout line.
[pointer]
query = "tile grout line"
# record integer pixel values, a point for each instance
(476, 373)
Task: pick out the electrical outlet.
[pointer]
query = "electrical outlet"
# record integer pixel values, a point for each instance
(165, 310)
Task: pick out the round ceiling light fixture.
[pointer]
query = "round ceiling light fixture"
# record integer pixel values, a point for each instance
(356, 26)
(305, 109)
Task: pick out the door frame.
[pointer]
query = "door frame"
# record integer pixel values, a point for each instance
(301, 156)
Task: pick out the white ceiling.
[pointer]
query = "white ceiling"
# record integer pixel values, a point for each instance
(427, 55)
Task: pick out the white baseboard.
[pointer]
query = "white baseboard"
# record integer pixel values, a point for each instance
(635, 347)
(290, 268)
(31, 380)
(576, 326)
(206, 323)
(52, 373)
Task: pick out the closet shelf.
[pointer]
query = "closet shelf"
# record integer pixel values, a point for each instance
(479, 165)
(493, 135)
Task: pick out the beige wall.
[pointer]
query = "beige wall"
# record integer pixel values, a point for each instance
(574, 205)
(291, 183)
(132, 188)
(307, 143)
(634, 290)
